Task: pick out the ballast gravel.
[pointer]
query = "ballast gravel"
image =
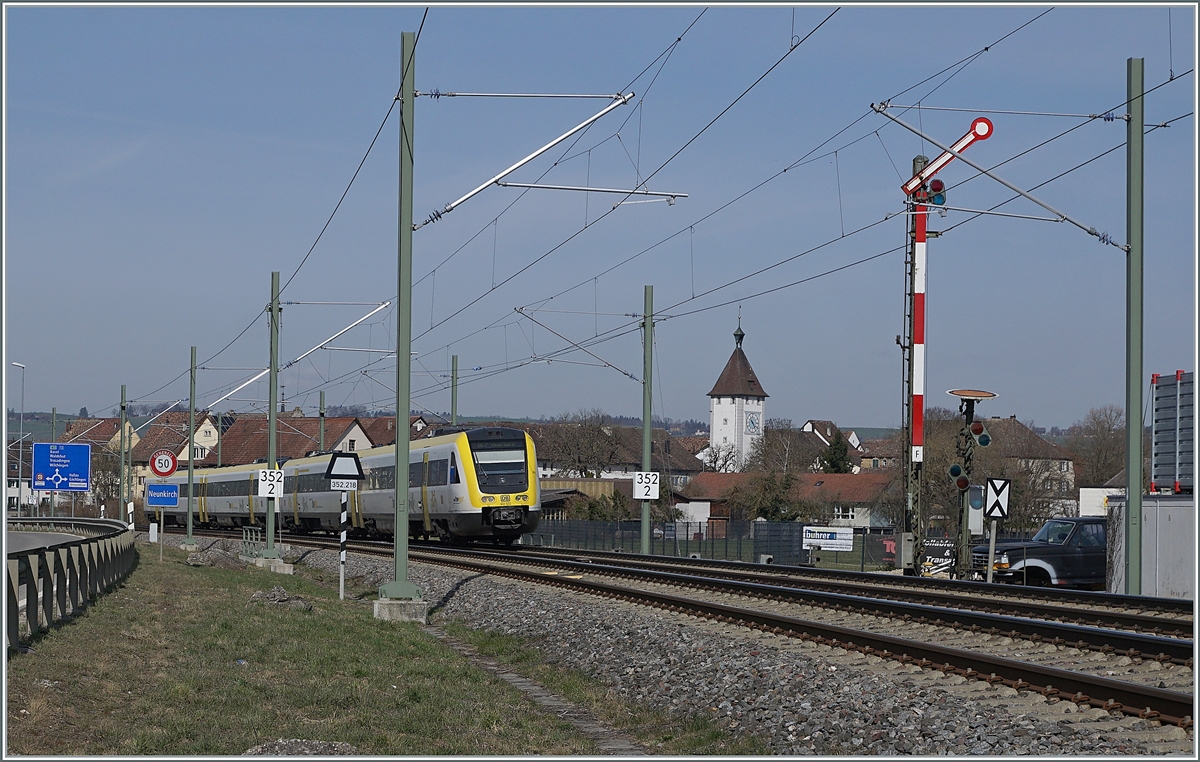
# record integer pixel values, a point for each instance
(800, 698)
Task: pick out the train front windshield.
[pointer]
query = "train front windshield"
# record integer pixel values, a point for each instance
(500, 463)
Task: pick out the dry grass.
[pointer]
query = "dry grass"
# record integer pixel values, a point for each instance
(657, 731)
(179, 662)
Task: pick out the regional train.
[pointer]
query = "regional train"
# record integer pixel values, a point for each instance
(465, 485)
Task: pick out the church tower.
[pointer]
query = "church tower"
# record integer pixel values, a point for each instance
(735, 418)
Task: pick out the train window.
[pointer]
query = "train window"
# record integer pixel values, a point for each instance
(453, 469)
(381, 478)
(438, 472)
(415, 472)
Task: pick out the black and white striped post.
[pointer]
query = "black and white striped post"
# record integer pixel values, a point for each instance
(342, 555)
(344, 472)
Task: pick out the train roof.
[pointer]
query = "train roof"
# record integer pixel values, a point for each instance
(319, 460)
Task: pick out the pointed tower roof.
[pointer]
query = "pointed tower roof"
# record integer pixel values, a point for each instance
(738, 379)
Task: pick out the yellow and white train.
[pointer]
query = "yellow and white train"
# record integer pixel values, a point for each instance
(474, 484)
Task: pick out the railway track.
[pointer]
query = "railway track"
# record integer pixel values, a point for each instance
(1112, 666)
(1160, 616)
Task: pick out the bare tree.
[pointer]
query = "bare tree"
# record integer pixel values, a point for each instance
(722, 458)
(579, 444)
(782, 449)
(766, 495)
(1098, 442)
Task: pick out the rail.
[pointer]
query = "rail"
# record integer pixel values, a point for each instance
(60, 581)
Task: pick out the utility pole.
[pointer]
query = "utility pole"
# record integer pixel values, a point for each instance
(647, 367)
(191, 449)
(454, 390)
(400, 587)
(1133, 327)
(321, 444)
(121, 480)
(53, 436)
(966, 449)
(272, 405)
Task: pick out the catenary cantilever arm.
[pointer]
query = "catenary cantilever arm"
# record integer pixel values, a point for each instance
(435, 216)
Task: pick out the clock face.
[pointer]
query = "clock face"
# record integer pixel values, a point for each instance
(753, 423)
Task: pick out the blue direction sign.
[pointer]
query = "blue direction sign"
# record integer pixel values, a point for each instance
(162, 495)
(62, 467)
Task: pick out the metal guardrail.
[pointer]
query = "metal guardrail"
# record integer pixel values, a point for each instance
(61, 581)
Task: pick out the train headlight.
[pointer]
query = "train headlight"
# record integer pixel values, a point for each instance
(489, 499)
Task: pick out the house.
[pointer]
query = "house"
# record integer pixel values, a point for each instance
(853, 500)
(879, 453)
(99, 432)
(1049, 468)
(169, 431)
(791, 450)
(606, 452)
(824, 431)
(382, 429)
(295, 437)
(18, 478)
(103, 435)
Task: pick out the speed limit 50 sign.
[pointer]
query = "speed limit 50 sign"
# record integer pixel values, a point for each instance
(163, 463)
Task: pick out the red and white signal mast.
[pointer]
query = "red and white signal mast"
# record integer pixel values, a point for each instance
(923, 191)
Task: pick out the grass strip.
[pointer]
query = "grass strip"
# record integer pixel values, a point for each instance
(179, 661)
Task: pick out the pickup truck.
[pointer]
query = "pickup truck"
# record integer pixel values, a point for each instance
(1068, 552)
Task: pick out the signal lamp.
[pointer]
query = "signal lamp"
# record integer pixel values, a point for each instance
(980, 433)
(975, 496)
(937, 192)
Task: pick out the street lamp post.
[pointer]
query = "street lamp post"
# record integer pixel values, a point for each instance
(21, 442)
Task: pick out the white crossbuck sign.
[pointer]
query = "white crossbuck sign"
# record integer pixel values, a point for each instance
(995, 503)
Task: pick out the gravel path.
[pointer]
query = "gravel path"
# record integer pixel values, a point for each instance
(803, 699)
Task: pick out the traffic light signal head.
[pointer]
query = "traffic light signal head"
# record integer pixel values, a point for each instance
(959, 476)
(937, 192)
(980, 433)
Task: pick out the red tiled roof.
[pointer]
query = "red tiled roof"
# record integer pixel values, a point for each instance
(94, 431)
(628, 441)
(168, 431)
(692, 444)
(246, 440)
(861, 488)
(881, 448)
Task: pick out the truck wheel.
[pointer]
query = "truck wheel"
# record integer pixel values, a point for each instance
(1037, 578)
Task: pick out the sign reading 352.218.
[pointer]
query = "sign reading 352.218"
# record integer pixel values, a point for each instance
(270, 483)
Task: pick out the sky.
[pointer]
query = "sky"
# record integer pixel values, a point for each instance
(161, 162)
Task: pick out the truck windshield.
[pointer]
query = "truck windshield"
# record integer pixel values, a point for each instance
(1054, 532)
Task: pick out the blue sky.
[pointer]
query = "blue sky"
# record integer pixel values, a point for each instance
(161, 162)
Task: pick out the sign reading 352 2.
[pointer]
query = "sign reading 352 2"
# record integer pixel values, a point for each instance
(270, 483)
